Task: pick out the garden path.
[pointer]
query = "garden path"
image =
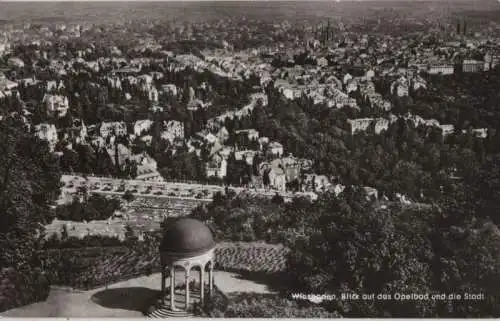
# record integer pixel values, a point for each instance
(122, 299)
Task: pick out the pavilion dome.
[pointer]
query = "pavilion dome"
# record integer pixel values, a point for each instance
(187, 237)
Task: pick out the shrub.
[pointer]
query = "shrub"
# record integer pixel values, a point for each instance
(253, 305)
(97, 207)
(91, 267)
(128, 195)
(54, 242)
(18, 288)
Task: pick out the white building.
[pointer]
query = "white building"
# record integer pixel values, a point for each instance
(471, 65)
(57, 106)
(113, 128)
(275, 149)
(15, 62)
(47, 132)
(173, 129)
(170, 89)
(217, 167)
(6, 84)
(447, 129)
(146, 168)
(141, 126)
(443, 69)
(322, 62)
(359, 124)
(245, 155)
(252, 134)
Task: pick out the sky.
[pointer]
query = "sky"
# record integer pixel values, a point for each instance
(450, 1)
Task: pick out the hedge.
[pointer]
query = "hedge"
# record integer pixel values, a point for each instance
(18, 288)
(91, 267)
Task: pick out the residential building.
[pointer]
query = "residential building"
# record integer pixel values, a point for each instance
(478, 132)
(173, 130)
(274, 149)
(400, 87)
(352, 85)
(156, 109)
(53, 86)
(252, 134)
(113, 128)
(142, 126)
(6, 84)
(153, 94)
(471, 65)
(447, 129)
(291, 166)
(146, 167)
(276, 175)
(119, 153)
(443, 69)
(359, 124)
(370, 192)
(246, 155)
(15, 62)
(78, 131)
(322, 62)
(57, 106)
(47, 132)
(263, 141)
(401, 90)
(217, 167)
(381, 124)
(222, 135)
(316, 183)
(170, 89)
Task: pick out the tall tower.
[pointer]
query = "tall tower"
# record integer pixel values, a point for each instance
(328, 31)
(322, 34)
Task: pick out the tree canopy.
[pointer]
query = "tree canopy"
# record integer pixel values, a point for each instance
(29, 184)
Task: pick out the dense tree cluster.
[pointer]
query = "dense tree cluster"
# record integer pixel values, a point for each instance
(403, 159)
(56, 242)
(95, 207)
(29, 185)
(352, 244)
(464, 100)
(250, 305)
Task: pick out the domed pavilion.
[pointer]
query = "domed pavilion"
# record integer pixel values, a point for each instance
(187, 245)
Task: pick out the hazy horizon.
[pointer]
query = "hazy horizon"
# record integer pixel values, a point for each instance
(18, 11)
(332, 1)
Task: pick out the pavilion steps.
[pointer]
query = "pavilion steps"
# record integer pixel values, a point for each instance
(167, 313)
(163, 309)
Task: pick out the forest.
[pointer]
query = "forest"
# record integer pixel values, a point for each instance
(351, 244)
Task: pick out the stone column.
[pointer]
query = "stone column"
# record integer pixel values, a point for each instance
(202, 285)
(162, 282)
(187, 288)
(211, 277)
(172, 288)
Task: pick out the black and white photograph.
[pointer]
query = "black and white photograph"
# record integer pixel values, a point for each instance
(250, 159)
